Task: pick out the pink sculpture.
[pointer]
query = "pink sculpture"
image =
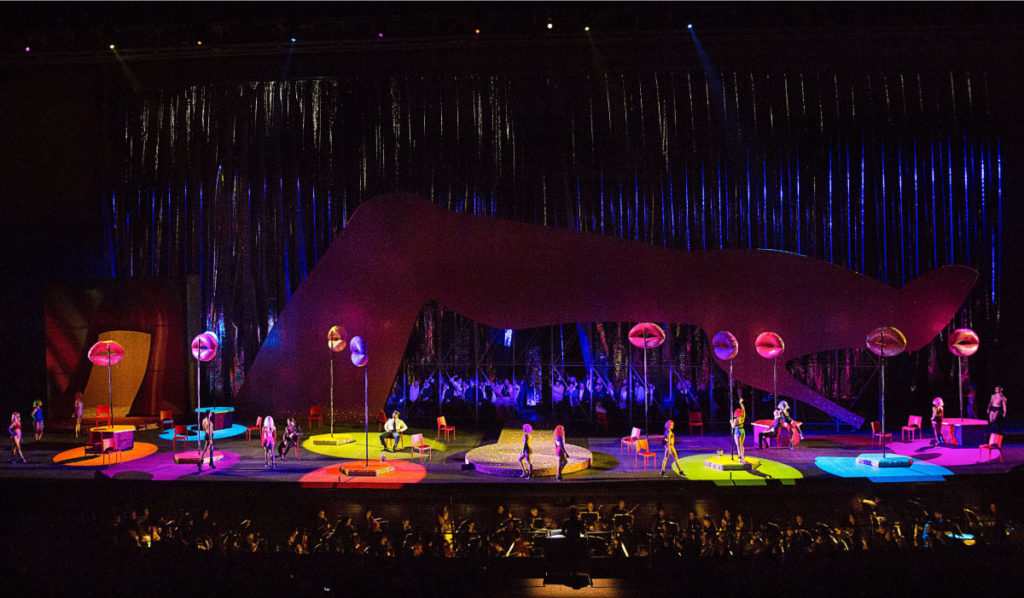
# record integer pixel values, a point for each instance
(964, 342)
(204, 346)
(337, 339)
(106, 353)
(399, 251)
(725, 345)
(769, 345)
(646, 335)
(886, 341)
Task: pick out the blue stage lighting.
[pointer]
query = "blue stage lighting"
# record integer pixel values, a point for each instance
(689, 25)
(508, 337)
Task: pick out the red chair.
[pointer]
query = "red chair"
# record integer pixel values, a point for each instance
(316, 412)
(643, 450)
(250, 429)
(442, 426)
(419, 445)
(601, 420)
(180, 433)
(913, 425)
(876, 432)
(382, 418)
(995, 442)
(696, 421)
(630, 441)
(103, 411)
(166, 420)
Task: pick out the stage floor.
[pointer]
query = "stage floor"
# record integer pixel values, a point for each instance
(820, 456)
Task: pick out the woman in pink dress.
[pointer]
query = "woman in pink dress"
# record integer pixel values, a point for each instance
(269, 438)
(15, 431)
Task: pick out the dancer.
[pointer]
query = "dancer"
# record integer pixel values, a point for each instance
(937, 421)
(269, 438)
(527, 451)
(37, 419)
(15, 431)
(670, 448)
(739, 417)
(290, 440)
(79, 411)
(997, 411)
(560, 451)
(207, 441)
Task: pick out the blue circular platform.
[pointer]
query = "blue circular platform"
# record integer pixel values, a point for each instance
(234, 430)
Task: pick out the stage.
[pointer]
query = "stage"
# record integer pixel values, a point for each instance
(822, 455)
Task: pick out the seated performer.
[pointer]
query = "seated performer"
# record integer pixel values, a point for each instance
(782, 420)
(290, 439)
(393, 429)
(738, 433)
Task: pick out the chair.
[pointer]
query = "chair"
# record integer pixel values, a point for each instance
(913, 425)
(630, 441)
(876, 431)
(643, 450)
(382, 418)
(180, 433)
(316, 412)
(103, 411)
(696, 422)
(109, 445)
(601, 420)
(995, 442)
(166, 420)
(442, 426)
(419, 445)
(250, 429)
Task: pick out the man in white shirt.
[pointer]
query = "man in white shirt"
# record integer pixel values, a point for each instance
(393, 429)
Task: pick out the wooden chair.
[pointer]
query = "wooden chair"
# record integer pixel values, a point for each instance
(382, 418)
(103, 411)
(995, 442)
(316, 412)
(180, 433)
(250, 429)
(166, 419)
(643, 450)
(696, 421)
(913, 425)
(630, 441)
(442, 426)
(419, 445)
(876, 432)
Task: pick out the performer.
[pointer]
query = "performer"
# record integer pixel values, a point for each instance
(937, 421)
(393, 429)
(37, 419)
(15, 431)
(560, 451)
(291, 438)
(526, 452)
(739, 417)
(670, 448)
(79, 410)
(997, 411)
(269, 438)
(207, 441)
